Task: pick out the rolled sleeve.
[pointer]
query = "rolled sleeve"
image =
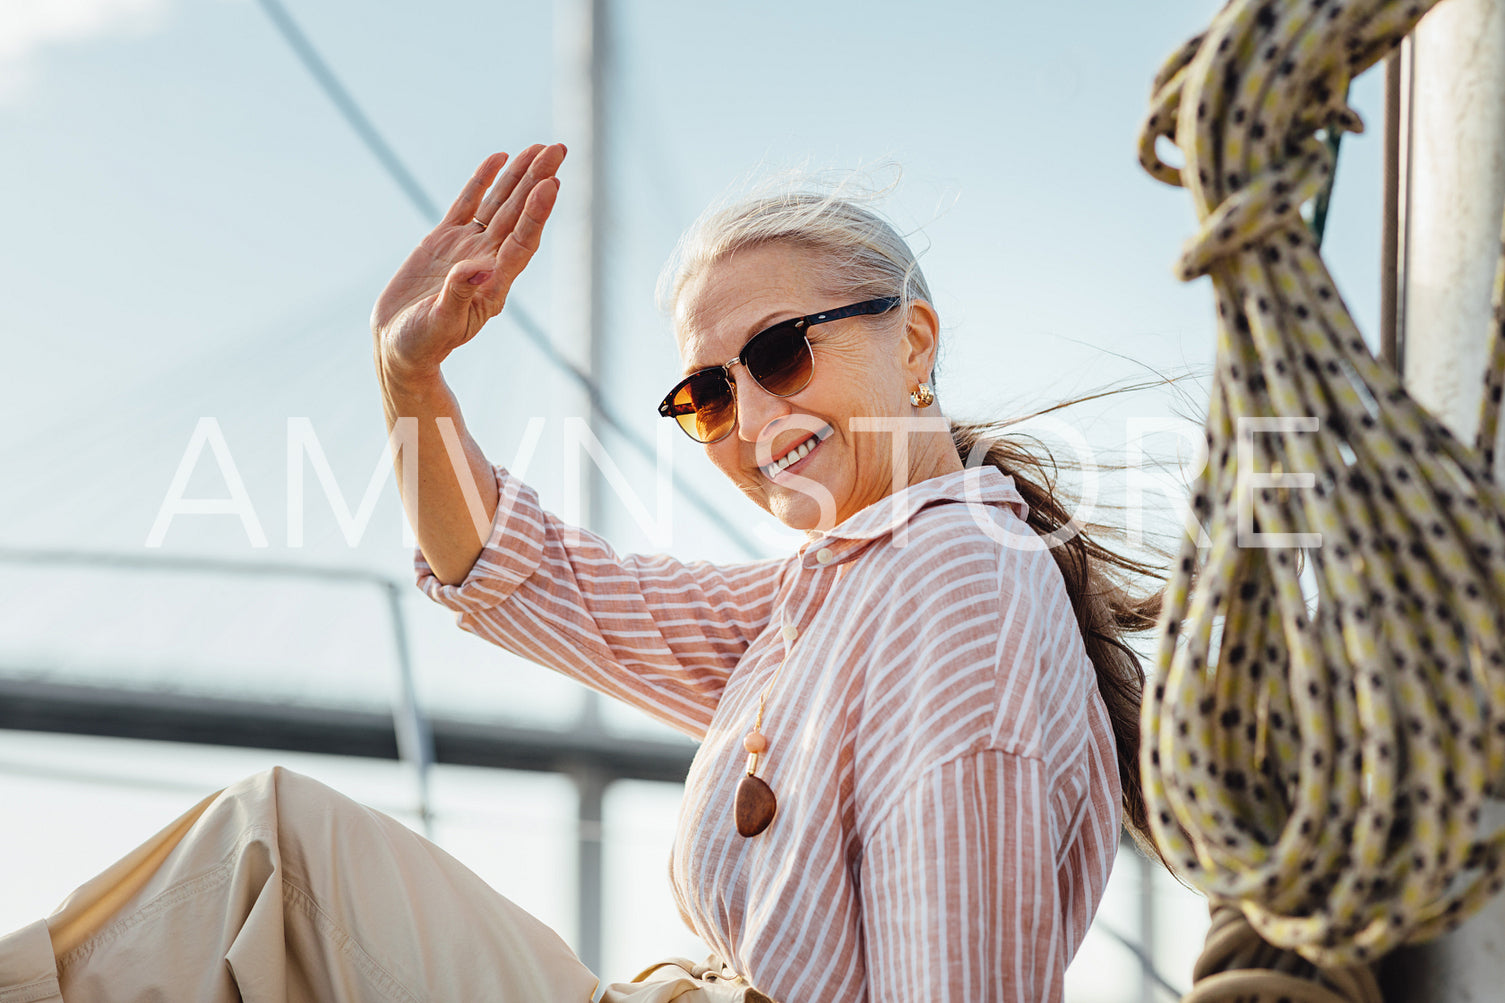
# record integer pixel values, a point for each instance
(512, 554)
(660, 634)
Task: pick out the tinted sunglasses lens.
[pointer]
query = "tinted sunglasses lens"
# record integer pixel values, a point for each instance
(780, 360)
(705, 407)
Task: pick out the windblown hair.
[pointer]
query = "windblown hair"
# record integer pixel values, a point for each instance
(862, 254)
(859, 251)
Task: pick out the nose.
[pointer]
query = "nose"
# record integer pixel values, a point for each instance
(756, 408)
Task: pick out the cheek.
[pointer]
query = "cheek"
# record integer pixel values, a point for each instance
(725, 455)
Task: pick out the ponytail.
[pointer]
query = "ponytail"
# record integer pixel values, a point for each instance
(1098, 580)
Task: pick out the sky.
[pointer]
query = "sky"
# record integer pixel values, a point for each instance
(191, 237)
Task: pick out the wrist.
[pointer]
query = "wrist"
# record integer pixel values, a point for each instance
(408, 382)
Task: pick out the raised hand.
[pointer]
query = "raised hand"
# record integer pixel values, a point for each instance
(458, 276)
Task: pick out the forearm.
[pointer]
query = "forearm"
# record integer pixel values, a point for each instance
(451, 528)
(452, 283)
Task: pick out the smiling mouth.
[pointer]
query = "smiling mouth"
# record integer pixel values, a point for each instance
(796, 454)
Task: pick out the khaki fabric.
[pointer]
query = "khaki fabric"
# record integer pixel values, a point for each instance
(280, 890)
(27, 971)
(683, 981)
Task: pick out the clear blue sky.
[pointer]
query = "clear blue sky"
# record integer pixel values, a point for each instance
(190, 230)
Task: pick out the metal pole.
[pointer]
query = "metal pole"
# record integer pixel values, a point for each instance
(1390, 215)
(579, 30)
(1149, 985)
(580, 47)
(1453, 194)
(591, 786)
(415, 739)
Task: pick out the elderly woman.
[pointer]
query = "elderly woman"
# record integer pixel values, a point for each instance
(913, 729)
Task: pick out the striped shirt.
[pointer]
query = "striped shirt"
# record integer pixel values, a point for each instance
(948, 795)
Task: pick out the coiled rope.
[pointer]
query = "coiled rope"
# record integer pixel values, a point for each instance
(1329, 717)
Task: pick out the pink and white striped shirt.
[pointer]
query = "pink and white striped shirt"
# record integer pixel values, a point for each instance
(945, 768)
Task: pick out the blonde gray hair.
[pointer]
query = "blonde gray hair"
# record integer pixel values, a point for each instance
(860, 254)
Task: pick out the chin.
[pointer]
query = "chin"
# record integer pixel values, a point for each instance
(791, 506)
(801, 512)
(799, 517)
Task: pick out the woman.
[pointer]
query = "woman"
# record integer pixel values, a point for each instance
(912, 686)
(908, 784)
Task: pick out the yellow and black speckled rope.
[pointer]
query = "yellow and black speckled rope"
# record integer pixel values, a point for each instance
(1328, 721)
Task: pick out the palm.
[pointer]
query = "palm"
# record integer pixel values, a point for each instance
(458, 276)
(404, 314)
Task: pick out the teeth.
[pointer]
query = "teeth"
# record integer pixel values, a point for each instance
(794, 455)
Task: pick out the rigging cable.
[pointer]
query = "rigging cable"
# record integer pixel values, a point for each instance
(351, 111)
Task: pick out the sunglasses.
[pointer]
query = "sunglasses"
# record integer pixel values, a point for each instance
(778, 358)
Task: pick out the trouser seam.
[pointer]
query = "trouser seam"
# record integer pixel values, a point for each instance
(221, 873)
(173, 896)
(185, 889)
(385, 982)
(42, 989)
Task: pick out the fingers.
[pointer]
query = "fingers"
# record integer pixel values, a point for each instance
(452, 309)
(542, 165)
(522, 241)
(467, 205)
(507, 183)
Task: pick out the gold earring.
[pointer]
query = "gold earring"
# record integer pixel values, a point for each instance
(922, 396)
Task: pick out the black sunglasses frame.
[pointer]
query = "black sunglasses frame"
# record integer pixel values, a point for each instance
(668, 409)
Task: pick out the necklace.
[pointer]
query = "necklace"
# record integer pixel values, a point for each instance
(755, 804)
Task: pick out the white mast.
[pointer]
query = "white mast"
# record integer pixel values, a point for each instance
(1451, 193)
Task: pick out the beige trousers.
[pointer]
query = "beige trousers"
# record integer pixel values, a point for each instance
(280, 890)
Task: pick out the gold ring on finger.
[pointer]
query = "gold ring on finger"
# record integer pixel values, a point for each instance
(478, 220)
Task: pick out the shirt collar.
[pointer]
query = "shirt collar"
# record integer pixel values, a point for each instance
(985, 485)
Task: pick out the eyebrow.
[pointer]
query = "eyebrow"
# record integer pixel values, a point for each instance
(757, 329)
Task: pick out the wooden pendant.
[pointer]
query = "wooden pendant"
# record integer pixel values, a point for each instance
(755, 805)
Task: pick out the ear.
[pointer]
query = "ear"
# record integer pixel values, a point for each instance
(922, 336)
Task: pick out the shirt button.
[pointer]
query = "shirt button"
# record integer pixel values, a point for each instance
(790, 632)
(824, 555)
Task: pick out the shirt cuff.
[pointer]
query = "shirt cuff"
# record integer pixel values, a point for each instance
(512, 554)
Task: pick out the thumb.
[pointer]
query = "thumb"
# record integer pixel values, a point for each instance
(462, 283)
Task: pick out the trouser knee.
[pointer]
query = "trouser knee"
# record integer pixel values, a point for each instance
(311, 824)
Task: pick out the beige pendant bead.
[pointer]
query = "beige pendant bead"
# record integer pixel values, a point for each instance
(754, 806)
